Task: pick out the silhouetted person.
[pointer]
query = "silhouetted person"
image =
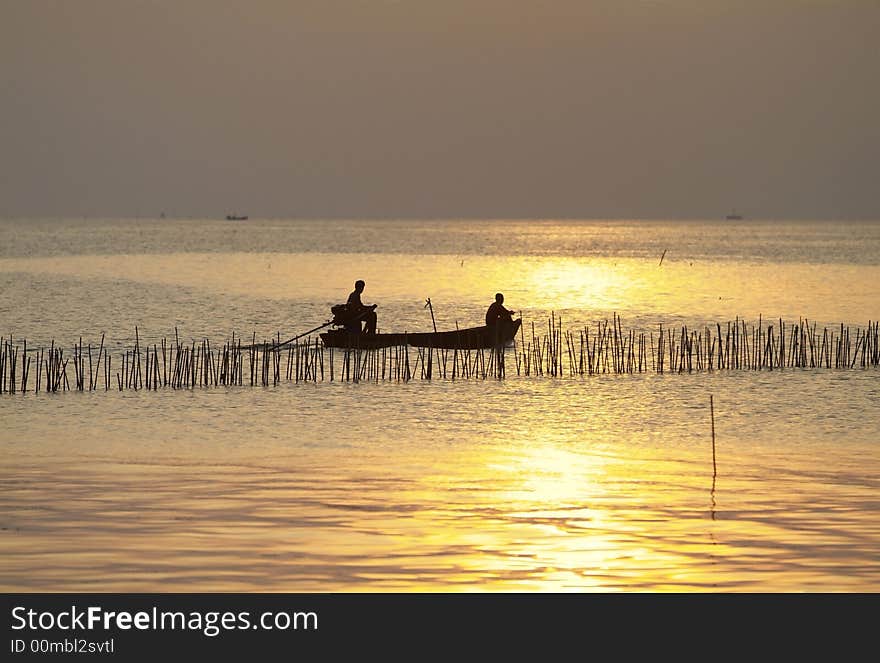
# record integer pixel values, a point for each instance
(357, 309)
(497, 313)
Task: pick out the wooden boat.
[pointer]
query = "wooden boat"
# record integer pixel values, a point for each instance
(236, 217)
(473, 338)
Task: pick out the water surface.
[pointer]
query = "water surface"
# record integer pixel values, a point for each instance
(590, 483)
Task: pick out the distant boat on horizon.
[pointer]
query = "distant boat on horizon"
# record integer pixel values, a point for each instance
(236, 217)
(734, 216)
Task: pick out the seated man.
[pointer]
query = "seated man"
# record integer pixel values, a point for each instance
(497, 313)
(358, 311)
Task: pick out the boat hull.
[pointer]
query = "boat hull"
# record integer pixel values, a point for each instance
(474, 338)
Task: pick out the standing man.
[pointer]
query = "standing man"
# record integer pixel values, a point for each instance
(357, 309)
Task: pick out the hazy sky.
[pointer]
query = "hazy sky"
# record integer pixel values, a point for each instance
(440, 108)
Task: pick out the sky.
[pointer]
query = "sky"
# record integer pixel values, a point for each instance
(440, 108)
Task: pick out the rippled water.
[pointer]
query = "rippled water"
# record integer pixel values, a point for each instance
(600, 482)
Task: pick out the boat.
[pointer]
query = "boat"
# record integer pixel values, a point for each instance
(473, 338)
(235, 217)
(734, 216)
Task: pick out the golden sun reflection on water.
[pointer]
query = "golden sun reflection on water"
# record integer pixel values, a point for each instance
(569, 283)
(571, 535)
(531, 514)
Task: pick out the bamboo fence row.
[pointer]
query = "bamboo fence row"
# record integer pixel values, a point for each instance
(550, 350)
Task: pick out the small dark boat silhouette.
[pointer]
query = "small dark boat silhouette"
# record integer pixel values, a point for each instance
(235, 217)
(474, 338)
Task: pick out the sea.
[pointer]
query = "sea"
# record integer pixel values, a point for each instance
(683, 481)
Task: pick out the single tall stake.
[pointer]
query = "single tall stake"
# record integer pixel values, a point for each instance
(429, 306)
(712, 414)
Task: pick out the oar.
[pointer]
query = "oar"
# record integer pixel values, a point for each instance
(275, 346)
